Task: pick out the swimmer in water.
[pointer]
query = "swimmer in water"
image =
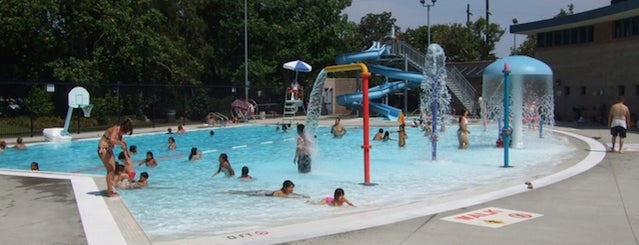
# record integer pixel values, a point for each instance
(338, 130)
(225, 166)
(286, 191)
(337, 200)
(195, 154)
(149, 161)
(379, 135)
(245, 174)
(172, 144)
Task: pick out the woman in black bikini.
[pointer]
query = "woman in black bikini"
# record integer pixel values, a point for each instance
(111, 137)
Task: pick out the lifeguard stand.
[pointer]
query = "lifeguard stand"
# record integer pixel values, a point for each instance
(292, 103)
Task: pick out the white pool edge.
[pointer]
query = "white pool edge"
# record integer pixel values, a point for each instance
(379, 217)
(96, 217)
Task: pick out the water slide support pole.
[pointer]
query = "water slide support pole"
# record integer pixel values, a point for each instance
(365, 111)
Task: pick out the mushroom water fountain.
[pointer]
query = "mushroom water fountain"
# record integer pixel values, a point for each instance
(530, 96)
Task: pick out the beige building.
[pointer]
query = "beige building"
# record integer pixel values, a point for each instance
(594, 57)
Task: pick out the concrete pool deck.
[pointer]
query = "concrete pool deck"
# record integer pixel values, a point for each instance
(598, 206)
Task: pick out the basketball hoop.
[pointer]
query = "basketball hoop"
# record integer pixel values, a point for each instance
(86, 109)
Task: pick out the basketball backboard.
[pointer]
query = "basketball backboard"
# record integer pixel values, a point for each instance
(78, 96)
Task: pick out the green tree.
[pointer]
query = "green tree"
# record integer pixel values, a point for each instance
(280, 31)
(527, 47)
(566, 12)
(376, 27)
(461, 43)
(39, 102)
(175, 45)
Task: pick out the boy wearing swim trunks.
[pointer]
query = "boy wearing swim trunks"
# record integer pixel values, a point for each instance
(618, 121)
(303, 151)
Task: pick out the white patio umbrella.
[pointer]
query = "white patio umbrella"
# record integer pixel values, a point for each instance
(297, 66)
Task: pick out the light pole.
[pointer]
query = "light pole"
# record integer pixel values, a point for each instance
(423, 2)
(515, 21)
(246, 81)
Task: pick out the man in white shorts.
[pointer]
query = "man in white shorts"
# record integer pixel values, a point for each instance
(618, 121)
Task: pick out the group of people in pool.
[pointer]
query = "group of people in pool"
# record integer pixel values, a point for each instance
(18, 146)
(427, 127)
(382, 135)
(287, 191)
(120, 175)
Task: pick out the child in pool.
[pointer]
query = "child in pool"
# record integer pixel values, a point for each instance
(195, 154)
(142, 182)
(245, 174)
(3, 145)
(125, 157)
(149, 161)
(35, 166)
(286, 191)
(379, 135)
(338, 199)
(386, 136)
(172, 144)
(225, 166)
(121, 178)
(19, 144)
(133, 149)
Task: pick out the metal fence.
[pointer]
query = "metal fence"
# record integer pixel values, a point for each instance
(26, 108)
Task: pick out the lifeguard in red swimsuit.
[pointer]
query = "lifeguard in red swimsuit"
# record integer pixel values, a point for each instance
(293, 89)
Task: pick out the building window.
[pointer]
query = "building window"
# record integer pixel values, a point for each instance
(583, 90)
(626, 27)
(567, 90)
(622, 90)
(570, 36)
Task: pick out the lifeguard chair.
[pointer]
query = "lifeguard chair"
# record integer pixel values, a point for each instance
(292, 103)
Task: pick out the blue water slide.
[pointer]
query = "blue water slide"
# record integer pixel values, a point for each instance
(413, 79)
(373, 53)
(355, 99)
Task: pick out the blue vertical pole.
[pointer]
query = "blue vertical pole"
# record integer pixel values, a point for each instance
(434, 107)
(506, 130)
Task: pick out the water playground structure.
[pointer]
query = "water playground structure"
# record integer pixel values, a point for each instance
(78, 98)
(531, 89)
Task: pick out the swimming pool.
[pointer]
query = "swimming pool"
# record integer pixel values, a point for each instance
(183, 200)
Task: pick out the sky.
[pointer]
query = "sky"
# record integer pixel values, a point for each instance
(411, 14)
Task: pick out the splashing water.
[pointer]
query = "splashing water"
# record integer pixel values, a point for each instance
(313, 111)
(537, 102)
(435, 72)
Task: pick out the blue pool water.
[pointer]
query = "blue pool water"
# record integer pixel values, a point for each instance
(183, 200)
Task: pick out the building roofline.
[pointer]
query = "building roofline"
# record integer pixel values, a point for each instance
(608, 13)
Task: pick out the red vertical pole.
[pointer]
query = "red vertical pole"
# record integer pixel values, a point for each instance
(366, 146)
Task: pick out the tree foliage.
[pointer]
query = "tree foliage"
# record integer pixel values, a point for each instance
(462, 43)
(168, 43)
(174, 54)
(39, 102)
(376, 27)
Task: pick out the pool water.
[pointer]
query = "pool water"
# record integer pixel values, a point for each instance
(183, 200)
